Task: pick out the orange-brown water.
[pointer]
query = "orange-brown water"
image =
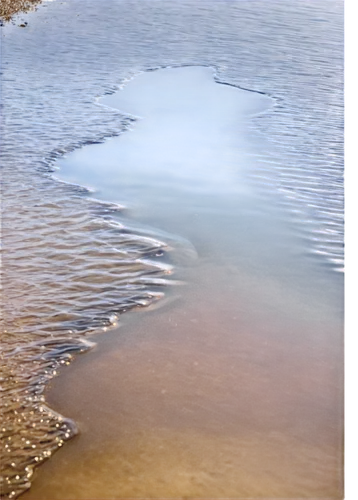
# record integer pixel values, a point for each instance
(204, 399)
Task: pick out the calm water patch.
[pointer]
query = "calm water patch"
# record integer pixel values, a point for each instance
(187, 161)
(71, 264)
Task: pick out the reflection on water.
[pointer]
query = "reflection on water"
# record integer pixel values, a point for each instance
(41, 334)
(71, 265)
(185, 168)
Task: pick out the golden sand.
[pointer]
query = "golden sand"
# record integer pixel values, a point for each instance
(191, 401)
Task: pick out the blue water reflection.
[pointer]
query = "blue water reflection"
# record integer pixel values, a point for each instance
(189, 167)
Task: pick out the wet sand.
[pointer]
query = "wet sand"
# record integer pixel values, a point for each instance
(201, 399)
(213, 398)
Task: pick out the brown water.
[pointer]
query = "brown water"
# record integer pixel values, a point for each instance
(262, 233)
(204, 398)
(46, 271)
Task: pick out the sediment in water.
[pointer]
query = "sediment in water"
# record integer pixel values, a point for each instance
(194, 400)
(98, 269)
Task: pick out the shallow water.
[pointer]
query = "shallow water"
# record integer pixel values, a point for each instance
(204, 398)
(189, 166)
(61, 247)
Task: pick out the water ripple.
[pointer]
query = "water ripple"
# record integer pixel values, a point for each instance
(70, 265)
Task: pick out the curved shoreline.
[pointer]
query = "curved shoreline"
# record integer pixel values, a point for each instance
(62, 117)
(176, 384)
(51, 354)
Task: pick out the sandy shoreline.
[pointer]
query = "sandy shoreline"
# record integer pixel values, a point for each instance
(8, 8)
(168, 408)
(236, 380)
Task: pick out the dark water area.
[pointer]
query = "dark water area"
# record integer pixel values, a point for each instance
(253, 264)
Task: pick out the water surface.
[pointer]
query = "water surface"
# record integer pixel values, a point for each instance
(72, 265)
(189, 167)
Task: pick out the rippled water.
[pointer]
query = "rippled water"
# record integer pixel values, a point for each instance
(190, 166)
(70, 264)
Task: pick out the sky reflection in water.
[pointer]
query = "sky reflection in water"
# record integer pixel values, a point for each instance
(188, 168)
